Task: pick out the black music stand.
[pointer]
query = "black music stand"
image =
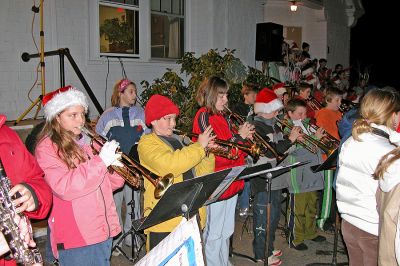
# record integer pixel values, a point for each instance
(186, 197)
(330, 163)
(133, 233)
(268, 174)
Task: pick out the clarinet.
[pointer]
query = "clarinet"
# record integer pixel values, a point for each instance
(18, 248)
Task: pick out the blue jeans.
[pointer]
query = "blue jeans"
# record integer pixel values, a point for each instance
(93, 255)
(244, 196)
(219, 228)
(260, 221)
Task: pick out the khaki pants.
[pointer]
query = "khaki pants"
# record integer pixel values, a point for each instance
(302, 217)
(362, 247)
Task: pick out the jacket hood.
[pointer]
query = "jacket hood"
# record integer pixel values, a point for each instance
(390, 179)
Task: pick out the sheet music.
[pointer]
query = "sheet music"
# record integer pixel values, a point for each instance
(180, 248)
(228, 180)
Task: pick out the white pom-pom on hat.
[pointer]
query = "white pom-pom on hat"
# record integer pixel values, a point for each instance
(57, 101)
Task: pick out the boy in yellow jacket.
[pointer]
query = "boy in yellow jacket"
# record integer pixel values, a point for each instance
(162, 152)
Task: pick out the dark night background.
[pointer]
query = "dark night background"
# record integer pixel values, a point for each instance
(373, 43)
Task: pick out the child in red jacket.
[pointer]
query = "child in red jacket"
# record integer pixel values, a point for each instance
(212, 96)
(26, 177)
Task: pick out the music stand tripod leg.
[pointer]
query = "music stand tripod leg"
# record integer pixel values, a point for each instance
(268, 213)
(132, 232)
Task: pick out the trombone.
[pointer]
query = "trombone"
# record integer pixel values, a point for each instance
(226, 149)
(132, 170)
(314, 103)
(258, 139)
(309, 142)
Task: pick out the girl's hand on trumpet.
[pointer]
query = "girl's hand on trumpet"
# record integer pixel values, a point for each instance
(246, 130)
(320, 133)
(296, 133)
(206, 139)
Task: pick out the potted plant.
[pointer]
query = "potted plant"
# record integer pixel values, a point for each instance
(118, 33)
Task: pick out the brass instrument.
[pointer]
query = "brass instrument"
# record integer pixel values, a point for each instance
(9, 228)
(132, 170)
(346, 105)
(309, 142)
(328, 140)
(258, 139)
(226, 149)
(313, 103)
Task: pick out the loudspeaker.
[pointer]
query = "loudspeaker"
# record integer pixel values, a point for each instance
(269, 39)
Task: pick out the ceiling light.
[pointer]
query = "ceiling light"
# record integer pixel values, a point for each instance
(293, 6)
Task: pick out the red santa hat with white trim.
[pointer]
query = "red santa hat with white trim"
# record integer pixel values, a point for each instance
(267, 102)
(279, 88)
(57, 101)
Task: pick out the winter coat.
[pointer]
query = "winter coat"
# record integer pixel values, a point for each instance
(22, 168)
(126, 130)
(222, 129)
(388, 198)
(83, 211)
(355, 185)
(269, 131)
(161, 159)
(302, 179)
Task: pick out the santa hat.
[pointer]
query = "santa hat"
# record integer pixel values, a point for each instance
(279, 89)
(294, 46)
(157, 107)
(267, 102)
(57, 101)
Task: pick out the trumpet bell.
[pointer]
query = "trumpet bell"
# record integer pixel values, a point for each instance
(162, 185)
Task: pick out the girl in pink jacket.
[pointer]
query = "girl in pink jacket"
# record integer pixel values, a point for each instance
(83, 220)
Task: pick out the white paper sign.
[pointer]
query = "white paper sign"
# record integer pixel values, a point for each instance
(180, 248)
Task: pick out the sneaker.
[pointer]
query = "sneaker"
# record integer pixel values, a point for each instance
(319, 239)
(277, 252)
(243, 212)
(299, 247)
(274, 261)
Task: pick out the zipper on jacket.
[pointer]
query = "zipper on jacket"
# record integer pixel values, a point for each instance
(105, 212)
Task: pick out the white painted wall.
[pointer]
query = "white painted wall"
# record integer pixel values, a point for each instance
(210, 24)
(68, 23)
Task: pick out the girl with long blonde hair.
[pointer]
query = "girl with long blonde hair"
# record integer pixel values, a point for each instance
(355, 185)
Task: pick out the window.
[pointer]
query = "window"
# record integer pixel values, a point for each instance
(119, 27)
(167, 28)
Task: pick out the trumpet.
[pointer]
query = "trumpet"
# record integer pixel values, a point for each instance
(226, 149)
(258, 139)
(132, 170)
(309, 142)
(328, 140)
